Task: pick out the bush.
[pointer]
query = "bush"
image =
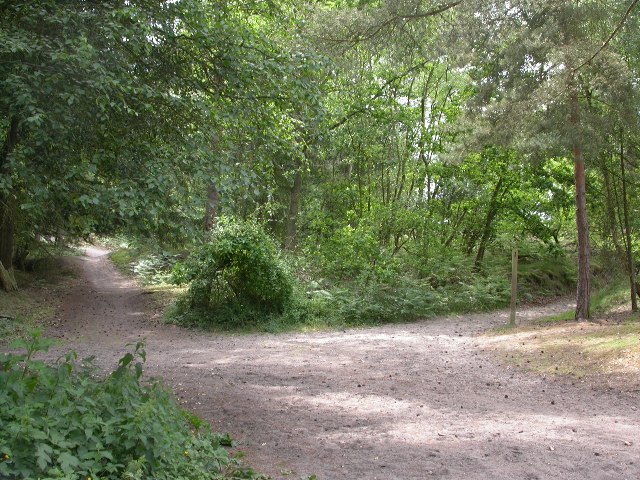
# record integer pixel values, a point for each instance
(407, 299)
(237, 278)
(64, 422)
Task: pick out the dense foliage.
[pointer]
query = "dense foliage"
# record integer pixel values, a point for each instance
(314, 164)
(389, 146)
(66, 422)
(237, 277)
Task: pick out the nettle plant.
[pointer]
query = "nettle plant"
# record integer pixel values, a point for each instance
(64, 421)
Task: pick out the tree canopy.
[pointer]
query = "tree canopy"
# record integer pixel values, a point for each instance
(374, 139)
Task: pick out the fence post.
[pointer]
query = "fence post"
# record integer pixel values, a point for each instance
(514, 285)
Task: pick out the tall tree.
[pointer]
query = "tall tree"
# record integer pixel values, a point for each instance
(540, 64)
(121, 113)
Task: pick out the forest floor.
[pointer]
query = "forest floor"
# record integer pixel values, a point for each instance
(431, 399)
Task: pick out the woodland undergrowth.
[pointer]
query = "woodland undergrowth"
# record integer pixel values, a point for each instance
(241, 280)
(67, 421)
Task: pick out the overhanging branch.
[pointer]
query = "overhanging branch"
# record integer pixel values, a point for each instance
(611, 37)
(430, 13)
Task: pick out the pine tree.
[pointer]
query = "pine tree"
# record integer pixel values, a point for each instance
(538, 68)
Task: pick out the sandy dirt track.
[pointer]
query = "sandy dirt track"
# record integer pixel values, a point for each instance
(413, 401)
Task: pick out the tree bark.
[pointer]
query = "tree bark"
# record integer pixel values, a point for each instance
(583, 291)
(7, 280)
(627, 230)
(7, 219)
(486, 229)
(610, 218)
(211, 210)
(7, 233)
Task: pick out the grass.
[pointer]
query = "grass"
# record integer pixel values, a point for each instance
(36, 300)
(163, 297)
(604, 351)
(122, 258)
(19, 312)
(580, 350)
(602, 300)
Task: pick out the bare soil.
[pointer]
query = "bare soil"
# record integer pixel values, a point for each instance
(429, 399)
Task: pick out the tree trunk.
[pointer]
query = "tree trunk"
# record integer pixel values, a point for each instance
(211, 210)
(610, 218)
(7, 219)
(294, 209)
(627, 230)
(7, 230)
(7, 280)
(486, 229)
(583, 290)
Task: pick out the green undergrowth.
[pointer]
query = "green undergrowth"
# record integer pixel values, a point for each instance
(65, 421)
(122, 258)
(40, 285)
(604, 299)
(239, 277)
(322, 305)
(19, 311)
(223, 288)
(147, 261)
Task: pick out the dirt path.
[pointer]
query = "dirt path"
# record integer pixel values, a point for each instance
(416, 401)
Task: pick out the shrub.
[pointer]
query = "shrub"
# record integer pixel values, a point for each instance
(347, 253)
(237, 278)
(64, 422)
(407, 299)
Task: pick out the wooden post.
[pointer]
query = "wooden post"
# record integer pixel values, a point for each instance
(514, 285)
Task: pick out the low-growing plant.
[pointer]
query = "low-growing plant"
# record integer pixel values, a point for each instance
(155, 269)
(63, 421)
(149, 267)
(407, 299)
(237, 278)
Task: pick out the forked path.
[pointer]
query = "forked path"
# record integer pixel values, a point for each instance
(415, 401)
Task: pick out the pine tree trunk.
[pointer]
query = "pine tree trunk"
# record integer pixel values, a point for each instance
(583, 290)
(7, 228)
(7, 220)
(611, 212)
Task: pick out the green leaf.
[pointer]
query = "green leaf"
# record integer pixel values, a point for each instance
(68, 462)
(43, 458)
